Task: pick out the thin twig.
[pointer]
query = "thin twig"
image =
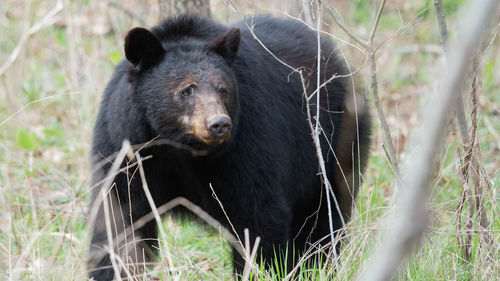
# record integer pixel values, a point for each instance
(458, 211)
(154, 142)
(374, 87)
(103, 195)
(461, 121)
(152, 204)
(237, 244)
(341, 24)
(476, 166)
(465, 198)
(316, 132)
(380, 112)
(402, 29)
(316, 139)
(313, 28)
(370, 49)
(181, 201)
(24, 107)
(375, 25)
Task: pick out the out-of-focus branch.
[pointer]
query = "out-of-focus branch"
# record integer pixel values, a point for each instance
(128, 12)
(408, 226)
(443, 30)
(433, 49)
(48, 19)
(462, 170)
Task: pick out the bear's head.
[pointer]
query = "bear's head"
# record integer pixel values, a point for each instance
(186, 88)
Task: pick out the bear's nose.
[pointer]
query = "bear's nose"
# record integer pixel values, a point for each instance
(219, 126)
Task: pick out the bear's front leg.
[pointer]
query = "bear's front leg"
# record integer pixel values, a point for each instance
(272, 223)
(132, 247)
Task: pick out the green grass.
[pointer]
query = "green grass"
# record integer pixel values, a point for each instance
(49, 99)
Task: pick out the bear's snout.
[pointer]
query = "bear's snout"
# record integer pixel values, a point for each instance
(219, 126)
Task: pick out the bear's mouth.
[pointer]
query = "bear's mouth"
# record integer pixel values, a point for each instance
(202, 142)
(211, 141)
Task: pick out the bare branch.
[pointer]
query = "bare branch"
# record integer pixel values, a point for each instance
(408, 227)
(380, 112)
(181, 201)
(152, 204)
(402, 29)
(371, 50)
(27, 105)
(154, 142)
(465, 197)
(105, 201)
(374, 86)
(375, 25)
(341, 24)
(475, 165)
(316, 131)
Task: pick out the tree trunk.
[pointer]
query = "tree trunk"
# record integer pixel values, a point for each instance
(169, 8)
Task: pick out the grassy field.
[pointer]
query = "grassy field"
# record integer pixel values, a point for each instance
(49, 97)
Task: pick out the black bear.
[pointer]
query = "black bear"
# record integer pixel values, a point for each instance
(217, 89)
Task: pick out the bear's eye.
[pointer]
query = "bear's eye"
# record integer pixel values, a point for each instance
(223, 92)
(187, 91)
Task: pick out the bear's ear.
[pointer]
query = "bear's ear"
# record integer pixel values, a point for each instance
(227, 45)
(142, 47)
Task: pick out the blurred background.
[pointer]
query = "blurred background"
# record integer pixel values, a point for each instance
(57, 56)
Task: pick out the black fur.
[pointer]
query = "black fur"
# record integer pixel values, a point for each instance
(266, 175)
